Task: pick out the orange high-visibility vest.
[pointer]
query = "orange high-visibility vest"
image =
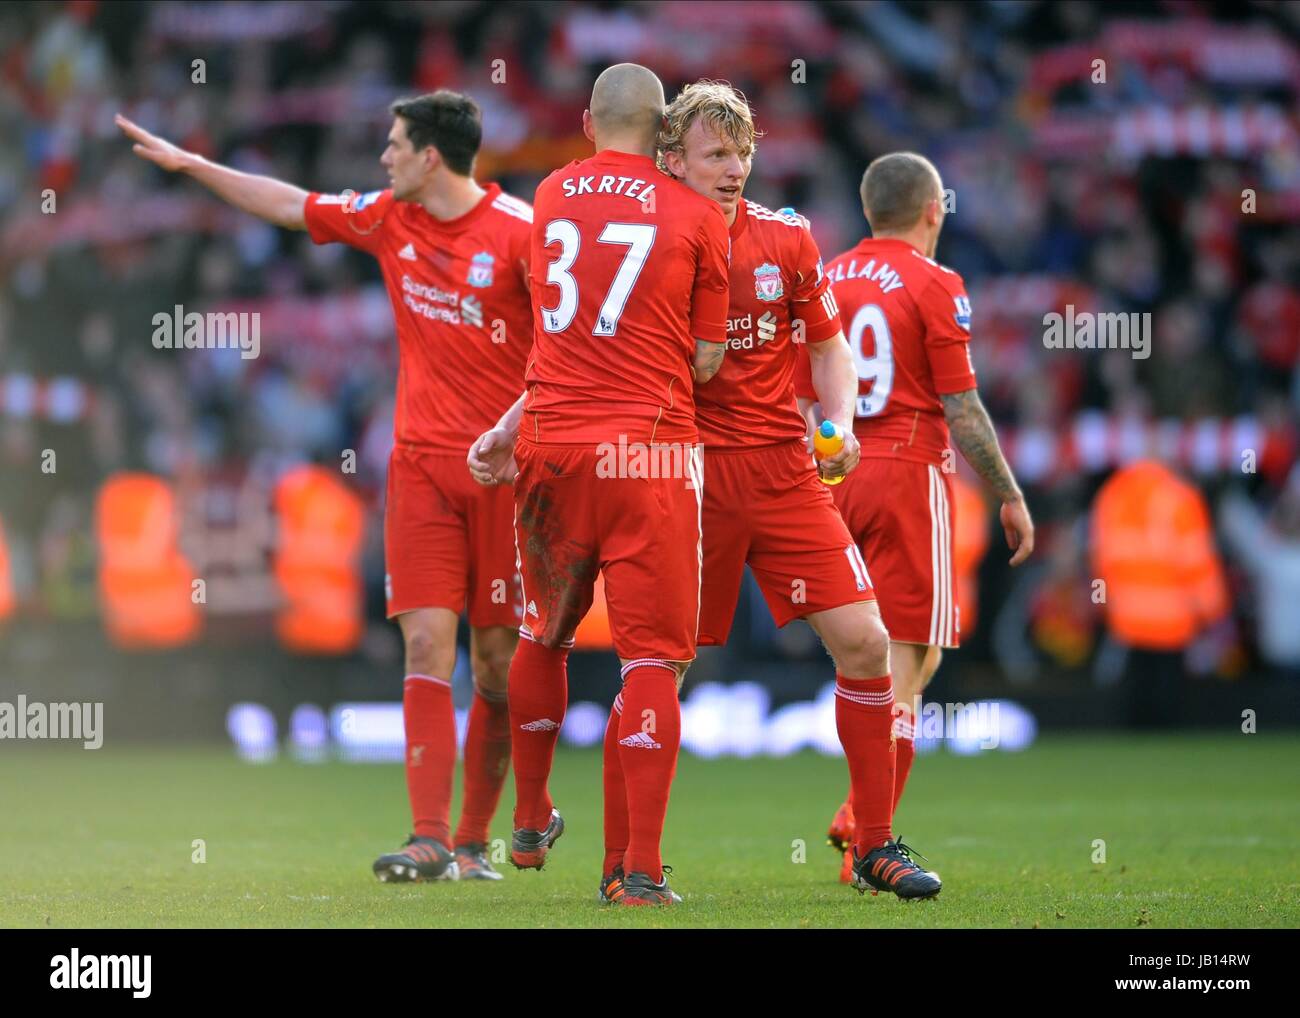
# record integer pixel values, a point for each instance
(593, 630)
(6, 580)
(318, 562)
(970, 541)
(1153, 546)
(145, 583)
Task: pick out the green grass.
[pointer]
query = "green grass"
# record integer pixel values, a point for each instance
(1199, 831)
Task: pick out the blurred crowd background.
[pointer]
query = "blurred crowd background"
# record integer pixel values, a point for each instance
(1115, 157)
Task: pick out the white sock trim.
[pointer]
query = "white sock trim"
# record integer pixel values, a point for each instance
(647, 662)
(427, 678)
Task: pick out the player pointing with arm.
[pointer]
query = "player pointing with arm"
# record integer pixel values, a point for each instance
(629, 276)
(454, 259)
(908, 321)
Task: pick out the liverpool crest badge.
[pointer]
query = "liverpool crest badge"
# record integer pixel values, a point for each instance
(480, 269)
(767, 282)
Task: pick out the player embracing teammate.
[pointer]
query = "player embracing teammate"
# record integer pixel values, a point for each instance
(764, 503)
(909, 322)
(629, 277)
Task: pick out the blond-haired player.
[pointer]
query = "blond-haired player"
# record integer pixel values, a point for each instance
(764, 503)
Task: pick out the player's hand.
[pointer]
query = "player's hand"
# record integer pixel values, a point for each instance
(844, 460)
(1019, 529)
(149, 146)
(491, 458)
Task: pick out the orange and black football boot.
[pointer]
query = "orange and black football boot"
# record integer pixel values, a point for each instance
(473, 863)
(528, 848)
(890, 868)
(840, 835)
(639, 889)
(419, 859)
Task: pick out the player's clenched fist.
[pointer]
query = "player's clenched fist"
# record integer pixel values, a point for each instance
(149, 146)
(491, 458)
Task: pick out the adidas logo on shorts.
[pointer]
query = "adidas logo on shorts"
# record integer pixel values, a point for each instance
(540, 725)
(639, 740)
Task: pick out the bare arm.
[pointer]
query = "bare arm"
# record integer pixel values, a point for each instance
(491, 458)
(265, 197)
(834, 379)
(708, 360)
(973, 434)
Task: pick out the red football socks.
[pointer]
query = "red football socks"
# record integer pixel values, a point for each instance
(904, 752)
(538, 696)
(487, 758)
(430, 753)
(615, 793)
(649, 734)
(863, 718)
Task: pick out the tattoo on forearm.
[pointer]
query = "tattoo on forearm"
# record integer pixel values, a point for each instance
(708, 359)
(973, 434)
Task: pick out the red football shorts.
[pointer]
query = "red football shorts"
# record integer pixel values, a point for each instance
(578, 511)
(448, 542)
(766, 506)
(900, 512)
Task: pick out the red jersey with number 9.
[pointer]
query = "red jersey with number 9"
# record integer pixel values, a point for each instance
(907, 320)
(628, 268)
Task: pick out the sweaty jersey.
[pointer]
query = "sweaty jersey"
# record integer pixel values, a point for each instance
(629, 267)
(776, 280)
(907, 319)
(459, 290)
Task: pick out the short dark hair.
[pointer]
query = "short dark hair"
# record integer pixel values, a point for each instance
(896, 188)
(448, 121)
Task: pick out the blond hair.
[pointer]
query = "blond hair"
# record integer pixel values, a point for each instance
(723, 107)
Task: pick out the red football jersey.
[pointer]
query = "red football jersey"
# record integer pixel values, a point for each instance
(629, 268)
(776, 280)
(459, 290)
(907, 320)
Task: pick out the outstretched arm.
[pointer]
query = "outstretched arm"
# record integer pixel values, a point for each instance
(973, 434)
(265, 197)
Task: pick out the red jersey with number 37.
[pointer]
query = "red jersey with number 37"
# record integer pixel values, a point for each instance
(776, 281)
(907, 319)
(629, 268)
(459, 291)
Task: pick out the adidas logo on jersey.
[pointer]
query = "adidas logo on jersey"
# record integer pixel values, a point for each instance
(532, 609)
(540, 725)
(639, 740)
(408, 253)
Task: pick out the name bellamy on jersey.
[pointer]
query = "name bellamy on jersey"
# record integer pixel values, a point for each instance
(888, 279)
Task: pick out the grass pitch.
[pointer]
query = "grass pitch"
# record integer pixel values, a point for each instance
(1198, 831)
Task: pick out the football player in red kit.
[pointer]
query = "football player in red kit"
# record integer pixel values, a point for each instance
(629, 274)
(454, 258)
(764, 503)
(908, 321)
